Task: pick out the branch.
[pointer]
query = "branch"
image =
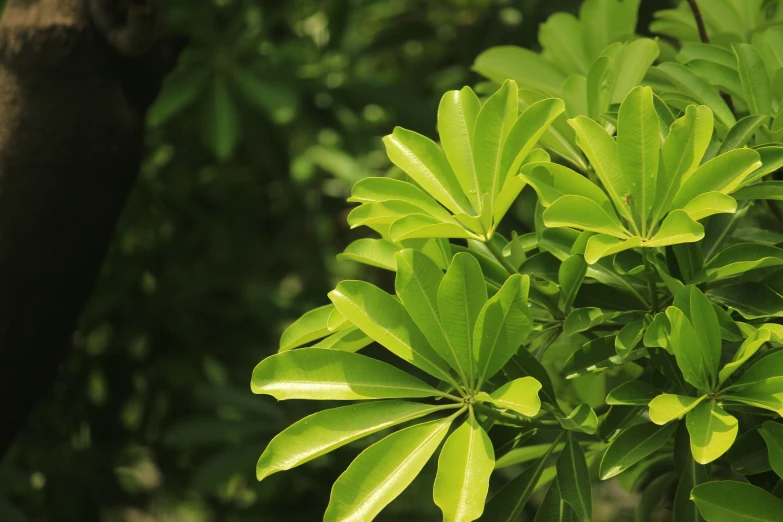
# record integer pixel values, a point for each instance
(699, 21)
(706, 39)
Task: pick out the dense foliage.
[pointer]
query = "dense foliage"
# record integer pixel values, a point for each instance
(152, 417)
(629, 330)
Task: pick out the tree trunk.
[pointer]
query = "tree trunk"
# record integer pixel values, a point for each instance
(72, 107)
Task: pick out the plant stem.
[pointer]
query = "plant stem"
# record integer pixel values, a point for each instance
(507, 417)
(699, 21)
(536, 294)
(706, 39)
(651, 284)
(454, 398)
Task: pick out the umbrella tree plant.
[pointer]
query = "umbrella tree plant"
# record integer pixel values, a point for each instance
(650, 272)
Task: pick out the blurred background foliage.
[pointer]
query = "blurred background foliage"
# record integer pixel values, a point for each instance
(274, 111)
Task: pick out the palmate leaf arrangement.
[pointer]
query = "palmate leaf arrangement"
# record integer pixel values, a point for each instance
(645, 272)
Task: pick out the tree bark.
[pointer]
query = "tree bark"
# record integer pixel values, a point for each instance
(71, 130)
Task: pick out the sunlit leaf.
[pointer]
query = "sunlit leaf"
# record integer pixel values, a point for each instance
(319, 374)
(328, 430)
(464, 467)
(383, 471)
(712, 431)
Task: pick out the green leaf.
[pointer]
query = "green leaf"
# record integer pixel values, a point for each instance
(372, 190)
(563, 39)
(719, 76)
(712, 431)
(425, 162)
(519, 395)
(688, 83)
(668, 407)
(729, 501)
(524, 364)
(383, 471)
(681, 154)
(552, 181)
(349, 340)
(416, 284)
(597, 355)
(582, 418)
(457, 115)
(553, 508)
(658, 332)
(601, 149)
(741, 133)
(464, 467)
(276, 100)
(755, 82)
(678, 227)
(583, 319)
(523, 454)
(607, 21)
(739, 259)
(685, 510)
(723, 173)
(524, 135)
(770, 44)
(383, 213)
(633, 393)
(765, 367)
(766, 393)
(507, 196)
(525, 67)
(311, 326)
(461, 295)
(695, 337)
(709, 52)
(180, 90)
(502, 326)
(582, 213)
(425, 227)
(771, 160)
(493, 125)
(318, 374)
(631, 65)
(638, 148)
(221, 120)
(570, 276)
(765, 190)
(632, 445)
(602, 245)
(559, 138)
(746, 350)
(508, 503)
(385, 320)
(773, 436)
(708, 204)
(336, 321)
(373, 252)
(327, 430)
(629, 337)
(751, 300)
(654, 490)
(573, 479)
